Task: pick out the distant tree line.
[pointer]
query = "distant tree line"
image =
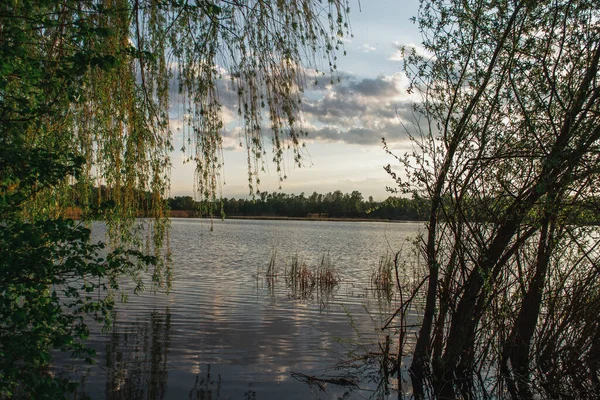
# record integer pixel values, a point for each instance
(333, 205)
(353, 205)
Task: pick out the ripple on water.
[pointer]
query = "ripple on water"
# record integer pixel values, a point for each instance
(226, 328)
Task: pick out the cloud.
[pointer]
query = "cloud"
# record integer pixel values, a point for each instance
(354, 111)
(366, 48)
(404, 49)
(367, 136)
(375, 87)
(360, 111)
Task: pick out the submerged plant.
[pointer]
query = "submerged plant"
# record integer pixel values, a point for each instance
(301, 278)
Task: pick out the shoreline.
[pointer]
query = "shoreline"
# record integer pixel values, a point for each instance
(279, 218)
(75, 213)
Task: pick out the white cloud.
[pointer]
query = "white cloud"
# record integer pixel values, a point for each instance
(366, 48)
(403, 49)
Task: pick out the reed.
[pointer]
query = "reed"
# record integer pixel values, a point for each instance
(302, 279)
(326, 275)
(300, 276)
(271, 269)
(382, 277)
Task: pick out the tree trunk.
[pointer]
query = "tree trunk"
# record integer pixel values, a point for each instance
(517, 348)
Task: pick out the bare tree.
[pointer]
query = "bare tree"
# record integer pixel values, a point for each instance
(507, 151)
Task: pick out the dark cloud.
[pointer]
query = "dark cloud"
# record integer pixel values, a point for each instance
(374, 87)
(366, 136)
(354, 111)
(360, 111)
(330, 109)
(363, 136)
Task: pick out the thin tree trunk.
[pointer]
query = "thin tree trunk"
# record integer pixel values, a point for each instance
(517, 349)
(422, 351)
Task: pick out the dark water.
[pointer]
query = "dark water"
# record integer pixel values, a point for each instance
(227, 332)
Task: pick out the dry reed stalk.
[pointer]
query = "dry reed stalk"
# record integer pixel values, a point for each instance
(327, 276)
(382, 276)
(271, 269)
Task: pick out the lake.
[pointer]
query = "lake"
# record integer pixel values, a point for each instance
(226, 331)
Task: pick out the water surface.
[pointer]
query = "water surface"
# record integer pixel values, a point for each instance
(227, 332)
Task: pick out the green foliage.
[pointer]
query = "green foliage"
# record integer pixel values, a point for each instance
(182, 203)
(84, 121)
(102, 80)
(51, 278)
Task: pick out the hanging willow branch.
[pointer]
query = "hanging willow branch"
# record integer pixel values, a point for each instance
(104, 80)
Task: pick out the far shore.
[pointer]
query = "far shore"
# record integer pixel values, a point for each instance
(190, 214)
(75, 213)
(341, 219)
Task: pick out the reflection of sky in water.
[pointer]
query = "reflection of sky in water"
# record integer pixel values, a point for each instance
(225, 331)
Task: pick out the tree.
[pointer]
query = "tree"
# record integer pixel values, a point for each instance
(356, 203)
(182, 203)
(86, 89)
(121, 62)
(506, 148)
(51, 277)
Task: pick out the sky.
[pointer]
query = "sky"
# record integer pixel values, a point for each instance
(345, 121)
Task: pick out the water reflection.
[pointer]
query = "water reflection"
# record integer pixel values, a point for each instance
(229, 331)
(206, 387)
(137, 358)
(320, 295)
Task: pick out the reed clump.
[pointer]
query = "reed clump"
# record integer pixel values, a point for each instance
(300, 276)
(382, 277)
(326, 275)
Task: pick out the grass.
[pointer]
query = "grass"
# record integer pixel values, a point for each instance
(300, 277)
